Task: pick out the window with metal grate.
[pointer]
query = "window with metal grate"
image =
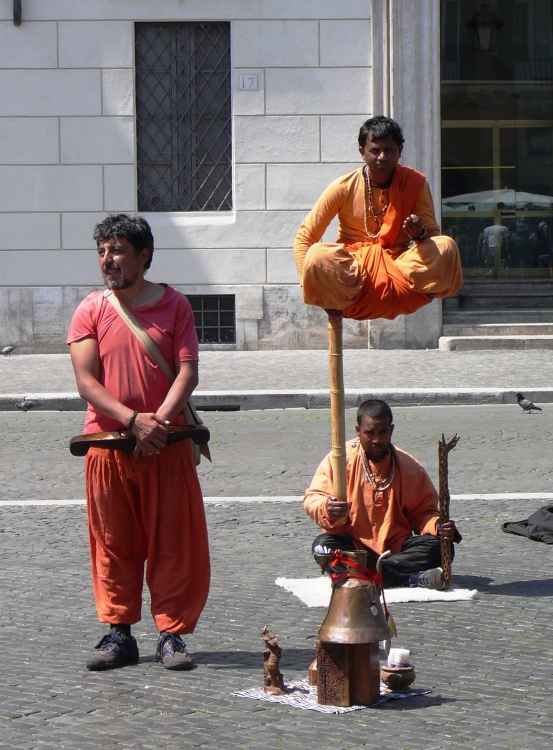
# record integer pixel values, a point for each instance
(183, 116)
(214, 318)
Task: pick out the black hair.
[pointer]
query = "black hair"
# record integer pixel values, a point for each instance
(376, 409)
(134, 229)
(380, 127)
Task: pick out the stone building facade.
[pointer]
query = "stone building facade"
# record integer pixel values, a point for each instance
(303, 76)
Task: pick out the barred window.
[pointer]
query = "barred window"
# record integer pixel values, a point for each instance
(214, 318)
(183, 116)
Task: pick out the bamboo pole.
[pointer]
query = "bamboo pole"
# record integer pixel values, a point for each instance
(337, 407)
(443, 495)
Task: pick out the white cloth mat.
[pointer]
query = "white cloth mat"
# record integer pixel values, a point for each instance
(315, 592)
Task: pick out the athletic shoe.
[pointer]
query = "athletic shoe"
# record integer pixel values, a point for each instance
(171, 652)
(432, 579)
(112, 651)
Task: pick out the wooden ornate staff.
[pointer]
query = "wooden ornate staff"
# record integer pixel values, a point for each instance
(443, 493)
(337, 405)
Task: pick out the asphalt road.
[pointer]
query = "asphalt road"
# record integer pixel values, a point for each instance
(277, 452)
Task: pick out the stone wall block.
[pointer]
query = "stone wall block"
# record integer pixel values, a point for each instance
(246, 229)
(339, 137)
(248, 101)
(31, 45)
(276, 139)
(281, 266)
(297, 187)
(208, 266)
(29, 140)
(30, 231)
(249, 303)
(318, 91)
(77, 229)
(118, 92)
(97, 140)
(290, 324)
(421, 330)
(120, 187)
(346, 43)
(16, 321)
(48, 268)
(95, 44)
(56, 93)
(51, 188)
(196, 10)
(249, 183)
(275, 43)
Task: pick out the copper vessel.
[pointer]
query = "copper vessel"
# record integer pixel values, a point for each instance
(355, 613)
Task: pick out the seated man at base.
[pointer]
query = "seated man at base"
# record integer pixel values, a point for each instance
(392, 505)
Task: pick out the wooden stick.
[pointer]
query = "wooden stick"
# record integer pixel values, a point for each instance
(443, 495)
(337, 405)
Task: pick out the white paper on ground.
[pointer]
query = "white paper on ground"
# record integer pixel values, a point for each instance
(315, 592)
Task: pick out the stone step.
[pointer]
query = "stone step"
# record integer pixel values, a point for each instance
(498, 329)
(474, 343)
(502, 286)
(508, 301)
(474, 317)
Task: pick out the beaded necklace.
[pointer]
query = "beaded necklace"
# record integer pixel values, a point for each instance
(377, 484)
(369, 207)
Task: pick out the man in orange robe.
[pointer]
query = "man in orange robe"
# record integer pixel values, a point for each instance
(389, 258)
(145, 506)
(392, 505)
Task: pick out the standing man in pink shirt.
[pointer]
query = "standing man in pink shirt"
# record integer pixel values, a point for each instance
(147, 505)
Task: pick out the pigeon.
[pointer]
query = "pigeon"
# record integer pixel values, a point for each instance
(526, 405)
(26, 405)
(7, 350)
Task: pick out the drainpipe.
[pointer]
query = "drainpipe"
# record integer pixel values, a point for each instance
(17, 13)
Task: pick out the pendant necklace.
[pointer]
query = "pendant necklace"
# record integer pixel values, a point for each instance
(377, 216)
(379, 485)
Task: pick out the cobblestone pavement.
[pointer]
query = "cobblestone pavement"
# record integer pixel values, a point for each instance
(487, 660)
(276, 452)
(285, 370)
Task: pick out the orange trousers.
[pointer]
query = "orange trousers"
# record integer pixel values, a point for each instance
(365, 282)
(147, 509)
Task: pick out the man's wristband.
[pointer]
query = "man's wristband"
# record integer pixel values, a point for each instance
(132, 420)
(421, 236)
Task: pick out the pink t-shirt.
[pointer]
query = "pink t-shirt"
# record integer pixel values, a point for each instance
(127, 370)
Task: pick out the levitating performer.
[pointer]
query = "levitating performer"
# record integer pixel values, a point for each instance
(389, 258)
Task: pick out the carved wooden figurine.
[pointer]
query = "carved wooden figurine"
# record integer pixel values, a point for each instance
(273, 680)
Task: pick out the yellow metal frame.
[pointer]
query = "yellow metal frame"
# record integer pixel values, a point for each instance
(496, 126)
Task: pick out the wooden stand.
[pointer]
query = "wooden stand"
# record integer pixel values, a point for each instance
(348, 674)
(338, 416)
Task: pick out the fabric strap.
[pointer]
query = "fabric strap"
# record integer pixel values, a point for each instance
(189, 411)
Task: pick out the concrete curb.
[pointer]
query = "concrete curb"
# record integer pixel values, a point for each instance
(305, 399)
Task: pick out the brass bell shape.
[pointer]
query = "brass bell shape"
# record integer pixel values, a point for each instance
(355, 613)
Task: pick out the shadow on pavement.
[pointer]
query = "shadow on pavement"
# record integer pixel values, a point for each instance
(292, 658)
(534, 588)
(416, 702)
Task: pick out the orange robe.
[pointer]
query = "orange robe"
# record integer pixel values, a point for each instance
(382, 277)
(376, 520)
(150, 508)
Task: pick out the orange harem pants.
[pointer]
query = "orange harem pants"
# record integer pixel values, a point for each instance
(365, 282)
(150, 508)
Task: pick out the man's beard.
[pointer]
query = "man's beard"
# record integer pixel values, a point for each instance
(122, 282)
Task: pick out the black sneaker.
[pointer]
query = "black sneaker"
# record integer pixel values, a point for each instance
(171, 652)
(113, 650)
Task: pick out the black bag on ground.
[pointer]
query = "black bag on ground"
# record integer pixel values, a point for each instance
(538, 527)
